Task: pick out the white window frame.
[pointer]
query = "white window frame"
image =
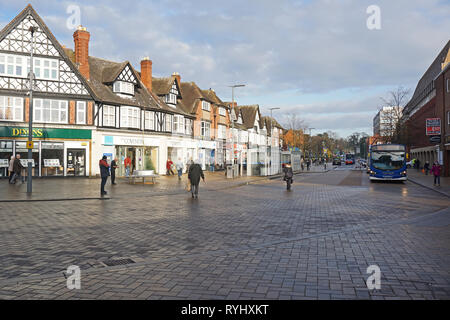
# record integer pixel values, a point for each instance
(130, 117)
(205, 129)
(123, 87)
(22, 63)
(149, 120)
(168, 120)
(178, 123)
(171, 98)
(222, 111)
(222, 131)
(109, 116)
(39, 107)
(188, 126)
(81, 110)
(206, 106)
(14, 104)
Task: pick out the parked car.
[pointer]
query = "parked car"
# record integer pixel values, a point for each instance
(336, 162)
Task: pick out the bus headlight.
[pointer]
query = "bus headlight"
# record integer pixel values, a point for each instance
(403, 173)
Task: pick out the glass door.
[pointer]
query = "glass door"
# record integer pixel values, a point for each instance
(76, 162)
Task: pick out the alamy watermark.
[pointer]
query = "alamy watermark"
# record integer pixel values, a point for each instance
(74, 20)
(74, 277)
(374, 280)
(374, 20)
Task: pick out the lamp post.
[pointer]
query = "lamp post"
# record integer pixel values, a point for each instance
(30, 117)
(271, 135)
(310, 142)
(232, 122)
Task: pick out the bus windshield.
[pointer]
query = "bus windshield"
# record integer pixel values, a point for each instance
(388, 160)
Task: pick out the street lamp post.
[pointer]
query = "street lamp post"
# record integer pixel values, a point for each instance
(271, 135)
(232, 122)
(310, 142)
(30, 117)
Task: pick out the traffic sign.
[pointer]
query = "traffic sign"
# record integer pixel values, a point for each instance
(435, 139)
(30, 144)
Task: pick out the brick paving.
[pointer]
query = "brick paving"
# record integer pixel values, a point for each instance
(256, 241)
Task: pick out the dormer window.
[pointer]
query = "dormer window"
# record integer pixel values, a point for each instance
(171, 99)
(123, 87)
(239, 120)
(206, 106)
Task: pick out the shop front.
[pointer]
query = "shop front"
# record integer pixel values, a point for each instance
(56, 151)
(206, 154)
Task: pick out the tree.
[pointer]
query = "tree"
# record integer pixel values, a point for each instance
(390, 116)
(295, 135)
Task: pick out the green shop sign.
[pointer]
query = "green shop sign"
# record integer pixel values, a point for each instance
(46, 133)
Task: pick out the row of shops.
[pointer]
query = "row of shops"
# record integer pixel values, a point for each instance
(76, 152)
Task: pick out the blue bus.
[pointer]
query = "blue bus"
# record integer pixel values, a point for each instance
(387, 162)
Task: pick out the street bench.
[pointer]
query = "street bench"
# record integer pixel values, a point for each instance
(138, 174)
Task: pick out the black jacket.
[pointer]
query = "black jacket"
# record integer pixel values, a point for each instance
(17, 166)
(288, 173)
(195, 172)
(104, 169)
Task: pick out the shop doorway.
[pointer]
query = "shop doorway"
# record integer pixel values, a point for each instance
(76, 162)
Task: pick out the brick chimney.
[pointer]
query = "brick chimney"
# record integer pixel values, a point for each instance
(146, 72)
(177, 75)
(81, 39)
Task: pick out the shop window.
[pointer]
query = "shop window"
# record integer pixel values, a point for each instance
(81, 112)
(21, 148)
(6, 151)
(11, 108)
(52, 155)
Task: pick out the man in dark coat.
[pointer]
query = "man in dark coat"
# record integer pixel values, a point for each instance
(288, 174)
(113, 171)
(17, 169)
(104, 173)
(195, 172)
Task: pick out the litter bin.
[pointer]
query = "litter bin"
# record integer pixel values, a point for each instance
(230, 172)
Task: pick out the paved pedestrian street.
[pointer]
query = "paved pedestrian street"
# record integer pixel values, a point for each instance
(245, 241)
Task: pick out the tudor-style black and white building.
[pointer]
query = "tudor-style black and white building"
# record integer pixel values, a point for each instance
(62, 101)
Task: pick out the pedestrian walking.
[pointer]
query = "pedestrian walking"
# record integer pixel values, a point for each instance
(169, 165)
(17, 169)
(426, 167)
(194, 175)
(418, 164)
(127, 164)
(114, 166)
(302, 163)
(179, 166)
(11, 168)
(104, 173)
(308, 164)
(436, 170)
(288, 174)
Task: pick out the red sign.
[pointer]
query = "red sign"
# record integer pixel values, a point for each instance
(433, 126)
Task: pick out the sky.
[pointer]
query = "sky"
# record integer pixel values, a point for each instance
(316, 59)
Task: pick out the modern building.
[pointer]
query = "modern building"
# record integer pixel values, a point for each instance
(385, 121)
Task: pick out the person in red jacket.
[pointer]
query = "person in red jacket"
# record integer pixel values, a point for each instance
(436, 171)
(104, 174)
(169, 165)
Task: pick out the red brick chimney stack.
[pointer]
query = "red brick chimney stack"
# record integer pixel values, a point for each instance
(81, 39)
(146, 72)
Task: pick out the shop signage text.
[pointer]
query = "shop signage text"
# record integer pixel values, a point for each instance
(433, 126)
(45, 133)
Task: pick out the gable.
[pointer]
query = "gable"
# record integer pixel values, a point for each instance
(127, 75)
(15, 41)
